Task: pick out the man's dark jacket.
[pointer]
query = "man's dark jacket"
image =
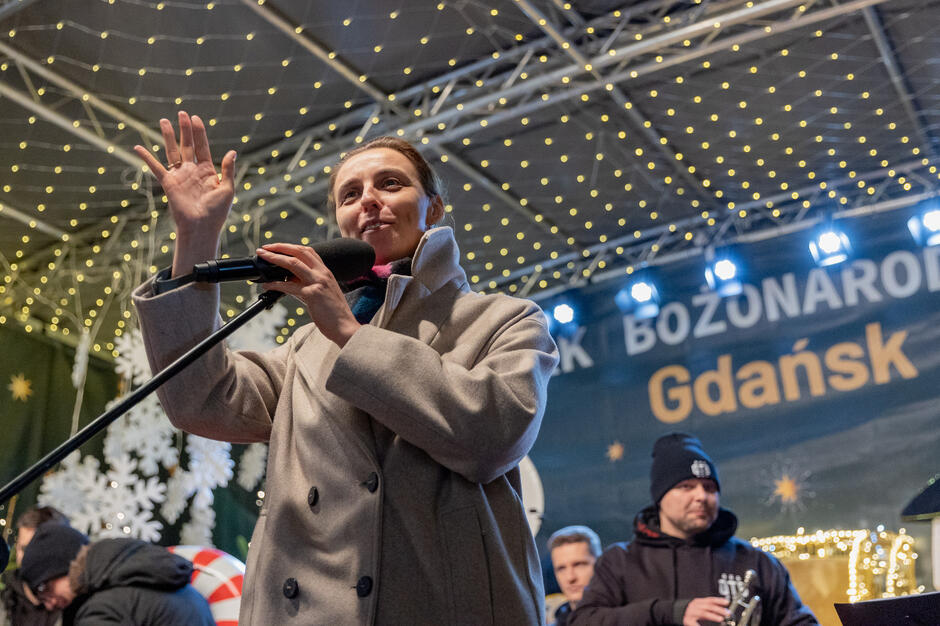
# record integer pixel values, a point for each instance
(128, 581)
(651, 580)
(562, 613)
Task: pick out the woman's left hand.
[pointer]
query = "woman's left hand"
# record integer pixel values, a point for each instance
(314, 285)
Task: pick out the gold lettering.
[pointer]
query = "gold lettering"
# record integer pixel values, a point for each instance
(721, 379)
(759, 385)
(810, 363)
(673, 395)
(884, 354)
(849, 373)
(679, 394)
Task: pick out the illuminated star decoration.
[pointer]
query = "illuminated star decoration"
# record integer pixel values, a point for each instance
(615, 451)
(787, 486)
(20, 387)
(787, 489)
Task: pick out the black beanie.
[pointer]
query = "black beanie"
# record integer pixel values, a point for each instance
(49, 553)
(678, 457)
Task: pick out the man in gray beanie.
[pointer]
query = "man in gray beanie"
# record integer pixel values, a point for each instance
(684, 565)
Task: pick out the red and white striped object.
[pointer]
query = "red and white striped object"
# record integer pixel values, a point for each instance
(218, 576)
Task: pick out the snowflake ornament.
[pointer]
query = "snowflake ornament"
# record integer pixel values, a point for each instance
(76, 490)
(198, 530)
(120, 497)
(179, 489)
(252, 465)
(145, 431)
(210, 461)
(131, 362)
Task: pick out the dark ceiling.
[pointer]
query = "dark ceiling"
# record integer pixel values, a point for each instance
(578, 141)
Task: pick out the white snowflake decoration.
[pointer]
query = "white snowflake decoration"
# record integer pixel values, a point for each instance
(145, 431)
(120, 498)
(131, 362)
(115, 503)
(252, 465)
(210, 461)
(198, 530)
(179, 490)
(77, 490)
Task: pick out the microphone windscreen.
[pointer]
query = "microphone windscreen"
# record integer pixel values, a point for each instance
(347, 258)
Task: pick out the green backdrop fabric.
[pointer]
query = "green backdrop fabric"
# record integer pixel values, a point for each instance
(37, 399)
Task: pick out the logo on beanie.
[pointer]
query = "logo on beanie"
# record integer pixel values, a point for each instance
(700, 469)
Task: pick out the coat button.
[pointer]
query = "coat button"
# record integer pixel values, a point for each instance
(291, 588)
(313, 496)
(372, 482)
(364, 586)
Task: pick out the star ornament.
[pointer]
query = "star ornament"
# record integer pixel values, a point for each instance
(615, 451)
(787, 489)
(20, 387)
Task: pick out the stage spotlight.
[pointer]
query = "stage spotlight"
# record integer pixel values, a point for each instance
(563, 313)
(641, 298)
(722, 274)
(641, 291)
(829, 247)
(925, 228)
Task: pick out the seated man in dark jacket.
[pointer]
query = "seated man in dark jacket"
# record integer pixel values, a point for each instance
(111, 581)
(684, 565)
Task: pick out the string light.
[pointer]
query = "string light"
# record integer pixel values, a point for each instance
(612, 153)
(880, 563)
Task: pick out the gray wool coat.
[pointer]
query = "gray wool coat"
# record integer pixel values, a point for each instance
(393, 491)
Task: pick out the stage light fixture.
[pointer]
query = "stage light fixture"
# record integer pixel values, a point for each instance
(641, 291)
(640, 298)
(829, 247)
(722, 273)
(925, 228)
(563, 313)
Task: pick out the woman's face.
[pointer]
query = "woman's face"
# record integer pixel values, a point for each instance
(379, 199)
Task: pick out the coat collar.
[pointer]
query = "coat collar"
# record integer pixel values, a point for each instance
(435, 264)
(436, 260)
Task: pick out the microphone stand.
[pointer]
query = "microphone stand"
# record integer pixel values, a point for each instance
(265, 301)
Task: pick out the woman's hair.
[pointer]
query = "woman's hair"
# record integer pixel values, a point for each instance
(429, 180)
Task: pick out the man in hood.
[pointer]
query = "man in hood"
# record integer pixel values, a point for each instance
(111, 581)
(684, 565)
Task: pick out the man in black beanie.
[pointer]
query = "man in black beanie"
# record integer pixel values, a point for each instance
(111, 581)
(684, 565)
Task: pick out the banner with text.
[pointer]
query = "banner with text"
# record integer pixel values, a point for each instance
(815, 389)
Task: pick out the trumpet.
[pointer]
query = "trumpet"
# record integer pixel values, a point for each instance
(743, 605)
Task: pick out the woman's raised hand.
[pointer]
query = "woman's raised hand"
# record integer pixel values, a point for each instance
(199, 198)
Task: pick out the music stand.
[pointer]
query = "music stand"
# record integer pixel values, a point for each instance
(913, 610)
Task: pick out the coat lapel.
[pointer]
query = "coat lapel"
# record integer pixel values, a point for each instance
(415, 306)
(315, 356)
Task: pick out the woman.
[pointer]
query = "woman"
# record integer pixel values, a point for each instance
(393, 492)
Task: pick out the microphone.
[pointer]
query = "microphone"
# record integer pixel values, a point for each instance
(346, 258)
